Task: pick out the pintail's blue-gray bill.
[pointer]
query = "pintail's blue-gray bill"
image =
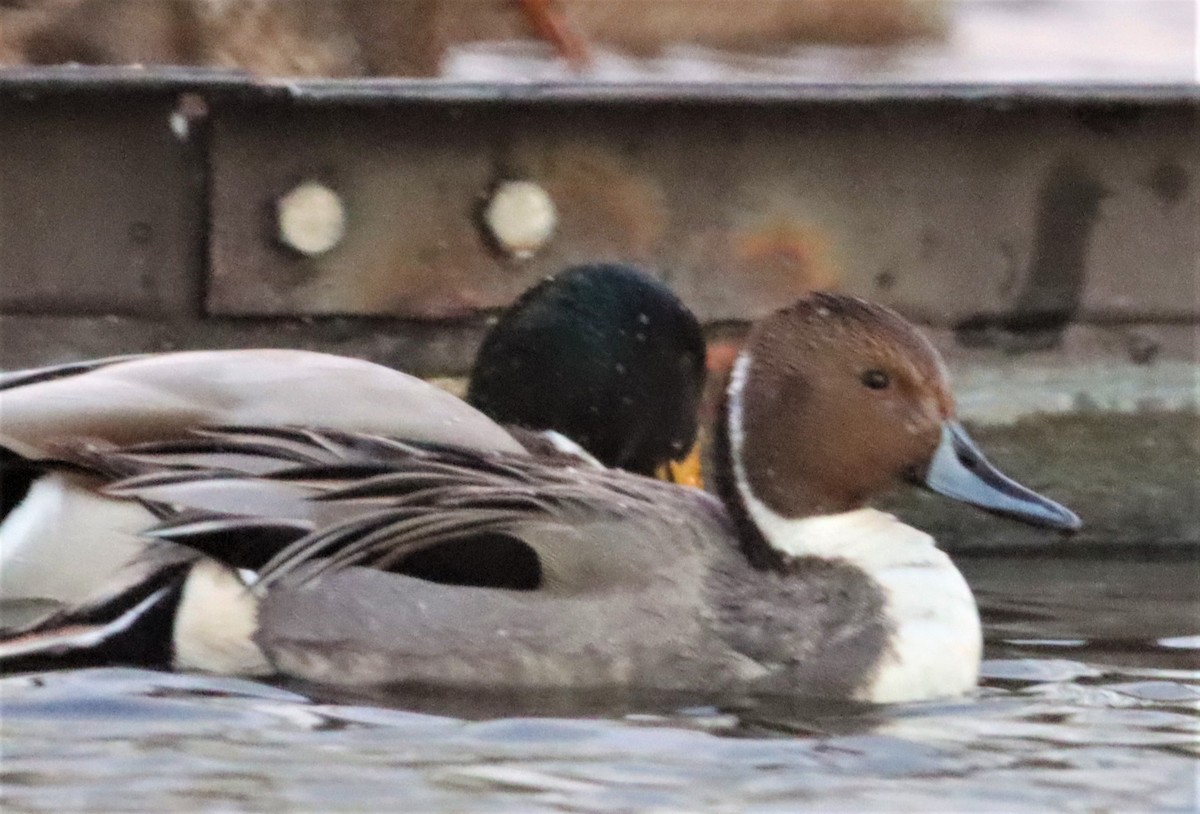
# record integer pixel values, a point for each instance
(959, 470)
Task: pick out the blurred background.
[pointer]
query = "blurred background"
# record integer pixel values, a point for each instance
(1020, 177)
(1141, 41)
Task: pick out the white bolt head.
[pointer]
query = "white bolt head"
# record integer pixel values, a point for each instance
(311, 219)
(521, 217)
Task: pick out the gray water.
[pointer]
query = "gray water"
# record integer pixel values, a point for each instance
(1090, 702)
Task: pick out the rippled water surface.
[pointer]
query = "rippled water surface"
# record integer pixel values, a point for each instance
(1090, 703)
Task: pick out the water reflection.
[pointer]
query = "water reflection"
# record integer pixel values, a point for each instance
(1090, 700)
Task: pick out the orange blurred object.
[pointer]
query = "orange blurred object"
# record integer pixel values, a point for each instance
(551, 24)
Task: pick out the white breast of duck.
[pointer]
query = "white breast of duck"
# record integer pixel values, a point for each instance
(831, 402)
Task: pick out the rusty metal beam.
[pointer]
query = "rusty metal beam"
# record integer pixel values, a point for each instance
(1000, 211)
(952, 212)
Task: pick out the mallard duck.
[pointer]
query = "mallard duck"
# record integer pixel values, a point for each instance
(298, 551)
(605, 355)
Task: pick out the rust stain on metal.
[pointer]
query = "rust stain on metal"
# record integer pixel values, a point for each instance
(786, 255)
(604, 203)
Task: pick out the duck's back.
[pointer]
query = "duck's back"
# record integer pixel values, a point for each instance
(163, 396)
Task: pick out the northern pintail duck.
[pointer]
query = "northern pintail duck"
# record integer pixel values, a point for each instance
(303, 547)
(600, 360)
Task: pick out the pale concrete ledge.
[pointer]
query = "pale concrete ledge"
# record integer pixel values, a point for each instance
(1004, 395)
(1084, 369)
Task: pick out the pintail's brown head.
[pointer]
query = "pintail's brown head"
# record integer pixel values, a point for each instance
(834, 400)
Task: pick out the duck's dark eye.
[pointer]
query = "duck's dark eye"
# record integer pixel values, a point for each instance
(875, 379)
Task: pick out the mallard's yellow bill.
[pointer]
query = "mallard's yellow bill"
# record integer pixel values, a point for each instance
(685, 472)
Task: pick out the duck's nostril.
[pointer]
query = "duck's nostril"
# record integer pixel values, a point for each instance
(969, 462)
